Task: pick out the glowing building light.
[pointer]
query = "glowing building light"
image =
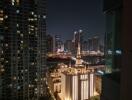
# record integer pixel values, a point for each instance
(17, 11)
(101, 72)
(18, 2)
(110, 52)
(118, 52)
(13, 2)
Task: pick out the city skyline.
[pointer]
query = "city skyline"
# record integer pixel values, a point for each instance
(65, 50)
(65, 17)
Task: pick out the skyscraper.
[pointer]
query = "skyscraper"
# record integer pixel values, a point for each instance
(22, 30)
(41, 58)
(69, 46)
(49, 43)
(58, 44)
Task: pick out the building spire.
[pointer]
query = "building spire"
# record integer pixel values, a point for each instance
(78, 57)
(78, 51)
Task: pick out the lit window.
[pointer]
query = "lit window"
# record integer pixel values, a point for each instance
(2, 58)
(29, 85)
(14, 78)
(109, 51)
(35, 15)
(32, 13)
(21, 35)
(35, 19)
(21, 71)
(35, 89)
(21, 47)
(26, 70)
(21, 41)
(17, 11)
(18, 31)
(36, 80)
(6, 61)
(17, 2)
(6, 16)
(13, 2)
(18, 51)
(10, 85)
(18, 87)
(17, 25)
(1, 16)
(1, 19)
(44, 17)
(6, 45)
(1, 11)
(32, 63)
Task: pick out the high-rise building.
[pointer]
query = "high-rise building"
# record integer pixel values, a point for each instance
(96, 43)
(113, 50)
(68, 45)
(85, 46)
(42, 49)
(58, 44)
(49, 43)
(113, 46)
(78, 36)
(93, 43)
(90, 46)
(22, 30)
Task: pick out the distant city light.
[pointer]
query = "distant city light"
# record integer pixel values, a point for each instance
(75, 32)
(13, 2)
(44, 17)
(17, 11)
(101, 72)
(118, 52)
(109, 51)
(80, 31)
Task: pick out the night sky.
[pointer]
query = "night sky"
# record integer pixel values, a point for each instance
(66, 16)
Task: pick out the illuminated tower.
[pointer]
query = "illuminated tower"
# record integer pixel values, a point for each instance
(78, 57)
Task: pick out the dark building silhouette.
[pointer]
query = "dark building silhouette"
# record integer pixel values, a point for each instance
(22, 59)
(57, 43)
(49, 43)
(93, 43)
(116, 83)
(113, 46)
(126, 70)
(113, 50)
(69, 45)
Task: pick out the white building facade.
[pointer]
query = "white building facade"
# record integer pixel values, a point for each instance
(79, 86)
